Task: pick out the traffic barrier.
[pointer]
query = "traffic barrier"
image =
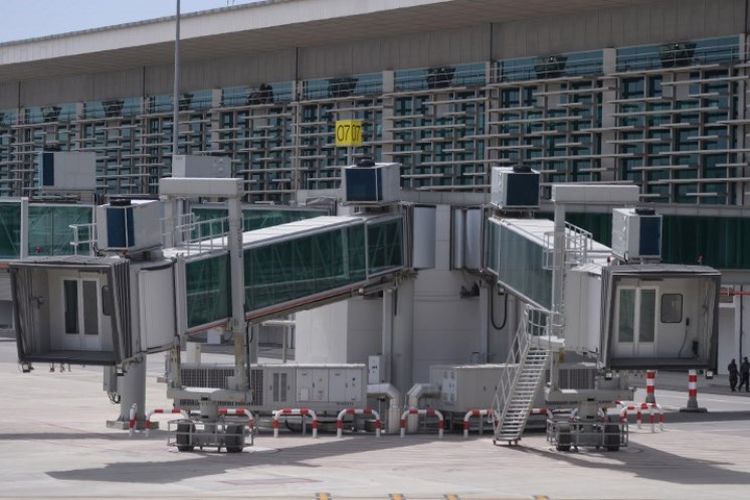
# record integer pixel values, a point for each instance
(651, 386)
(131, 419)
(161, 411)
(476, 413)
(357, 411)
(639, 409)
(692, 403)
(428, 412)
(239, 412)
(295, 412)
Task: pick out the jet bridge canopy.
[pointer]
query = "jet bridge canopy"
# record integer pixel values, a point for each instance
(288, 265)
(72, 309)
(660, 316)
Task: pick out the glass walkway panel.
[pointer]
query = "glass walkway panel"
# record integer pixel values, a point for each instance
(289, 264)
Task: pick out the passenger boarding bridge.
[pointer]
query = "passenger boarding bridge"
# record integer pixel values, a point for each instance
(147, 288)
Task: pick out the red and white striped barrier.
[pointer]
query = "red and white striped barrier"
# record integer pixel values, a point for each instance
(131, 419)
(651, 386)
(692, 402)
(239, 412)
(539, 411)
(428, 412)
(295, 412)
(357, 411)
(651, 408)
(476, 413)
(161, 411)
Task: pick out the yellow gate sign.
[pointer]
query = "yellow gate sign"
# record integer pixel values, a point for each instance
(348, 133)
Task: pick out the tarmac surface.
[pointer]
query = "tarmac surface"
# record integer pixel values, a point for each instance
(53, 444)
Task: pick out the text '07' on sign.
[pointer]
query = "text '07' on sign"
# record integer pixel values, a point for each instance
(348, 133)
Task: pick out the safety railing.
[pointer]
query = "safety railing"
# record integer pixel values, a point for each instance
(578, 245)
(533, 324)
(204, 236)
(84, 237)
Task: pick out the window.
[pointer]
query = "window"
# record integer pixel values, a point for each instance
(647, 318)
(70, 293)
(90, 309)
(671, 308)
(627, 315)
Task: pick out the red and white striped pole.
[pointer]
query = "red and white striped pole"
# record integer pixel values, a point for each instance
(651, 386)
(692, 403)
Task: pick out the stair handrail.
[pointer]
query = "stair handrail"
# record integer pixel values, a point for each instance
(533, 323)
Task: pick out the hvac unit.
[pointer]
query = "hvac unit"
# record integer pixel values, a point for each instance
(206, 167)
(66, 171)
(515, 188)
(368, 182)
(129, 225)
(636, 233)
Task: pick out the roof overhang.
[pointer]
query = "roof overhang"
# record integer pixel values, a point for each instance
(262, 27)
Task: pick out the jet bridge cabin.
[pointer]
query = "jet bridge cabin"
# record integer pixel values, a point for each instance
(85, 310)
(659, 316)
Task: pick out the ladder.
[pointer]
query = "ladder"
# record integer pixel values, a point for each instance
(521, 378)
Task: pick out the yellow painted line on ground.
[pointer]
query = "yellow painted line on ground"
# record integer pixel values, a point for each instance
(451, 496)
(396, 496)
(323, 496)
(541, 497)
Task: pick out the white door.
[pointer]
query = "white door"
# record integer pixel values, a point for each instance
(636, 313)
(80, 310)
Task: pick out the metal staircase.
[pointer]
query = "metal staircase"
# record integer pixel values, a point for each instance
(525, 371)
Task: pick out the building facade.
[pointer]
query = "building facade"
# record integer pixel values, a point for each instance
(652, 92)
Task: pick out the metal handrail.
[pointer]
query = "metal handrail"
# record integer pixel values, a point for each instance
(196, 239)
(77, 242)
(578, 244)
(534, 324)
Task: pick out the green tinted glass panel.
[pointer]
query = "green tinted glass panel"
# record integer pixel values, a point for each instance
(722, 242)
(49, 228)
(518, 263)
(289, 270)
(10, 230)
(208, 290)
(385, 245)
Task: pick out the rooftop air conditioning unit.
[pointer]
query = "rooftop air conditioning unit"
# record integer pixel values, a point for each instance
(677, 54)
(550, 66)
(368, 182)
(515, 188)
(66, 171)
(206, 167)
(342, 87)
(636, 233)
(440, 77)
(129, 225)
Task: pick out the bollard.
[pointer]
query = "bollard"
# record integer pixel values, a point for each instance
(692, 403)
(131, 419)
(651, 386)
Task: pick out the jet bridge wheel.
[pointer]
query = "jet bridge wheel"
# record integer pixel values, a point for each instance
(612, 437)
(564, 437)
(234, 438)
(183, 436)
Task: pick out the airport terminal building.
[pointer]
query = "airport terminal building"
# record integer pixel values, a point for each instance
(646, 91)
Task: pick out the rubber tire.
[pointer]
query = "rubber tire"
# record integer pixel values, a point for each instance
(234, 439)
(564, 438)
(184, 430)
(612, 437)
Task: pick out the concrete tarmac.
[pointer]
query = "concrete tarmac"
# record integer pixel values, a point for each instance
(53, 444)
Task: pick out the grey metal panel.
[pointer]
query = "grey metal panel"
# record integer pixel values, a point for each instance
(664, 21)
(8, 95)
